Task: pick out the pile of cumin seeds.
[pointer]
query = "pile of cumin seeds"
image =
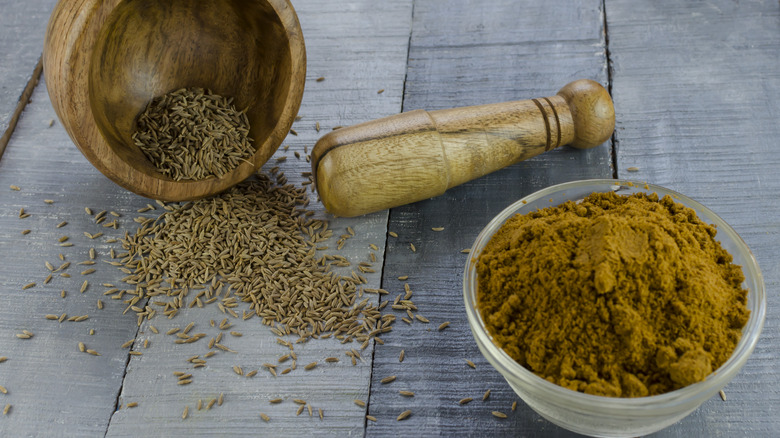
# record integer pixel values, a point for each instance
(192, 134)
(251, 243)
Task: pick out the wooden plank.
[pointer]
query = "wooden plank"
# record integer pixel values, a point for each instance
(463, 53)
(54, 389)
(22, 31)
(358, 48)
(696, 86)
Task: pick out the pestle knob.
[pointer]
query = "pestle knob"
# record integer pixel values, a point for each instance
(419, 154)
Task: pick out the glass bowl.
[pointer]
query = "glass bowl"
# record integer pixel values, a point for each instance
(609, 416)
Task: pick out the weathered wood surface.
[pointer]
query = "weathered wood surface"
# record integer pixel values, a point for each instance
(53, 388)
(56, 390)
(21, 42)
(696, 88)
(466, 53)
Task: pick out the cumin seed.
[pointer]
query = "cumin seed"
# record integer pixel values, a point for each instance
(404, 415)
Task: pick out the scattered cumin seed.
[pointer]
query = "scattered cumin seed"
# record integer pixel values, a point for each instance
(25, 232)
(632, 169)
(514, 405)
(275, 400)
(406, 393)
(403, 277)
(62, 224)
(310, 366)
(388, 379)
(401, 356)
(404, 415)
(28, 285)
(471, 364)
(371, 418)
(7, 409)
(464, 401)
(486, 396)
(82, 347)
(299, 401)
(421, 318)
(300, 409)
(360, 403)
(265, 418)
(412, 247)
(15, 188)
(498, 414)
(380, 91)
(3, 359)
(444, 325)
(466, 251)
(322, 415)
(320, 79)
(3, 390)
(93, 352)
(722, 395)
(88, 271)
(437, 228)
(132, 404)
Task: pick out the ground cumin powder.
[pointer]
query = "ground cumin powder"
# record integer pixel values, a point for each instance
(623, 296)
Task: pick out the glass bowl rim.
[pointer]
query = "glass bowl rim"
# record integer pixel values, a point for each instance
(715, 381)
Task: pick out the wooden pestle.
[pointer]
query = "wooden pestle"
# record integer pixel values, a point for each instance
(419, 154)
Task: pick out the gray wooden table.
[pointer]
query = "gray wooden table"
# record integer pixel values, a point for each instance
(696, 87)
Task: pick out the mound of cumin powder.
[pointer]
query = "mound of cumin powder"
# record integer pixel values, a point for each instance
(622, 296)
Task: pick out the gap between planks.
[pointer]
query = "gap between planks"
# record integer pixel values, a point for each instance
(23, 99)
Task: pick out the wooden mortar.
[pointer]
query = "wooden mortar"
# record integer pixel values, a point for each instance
(105, 60)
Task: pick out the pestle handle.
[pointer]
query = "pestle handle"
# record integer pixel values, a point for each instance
(419, 154)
